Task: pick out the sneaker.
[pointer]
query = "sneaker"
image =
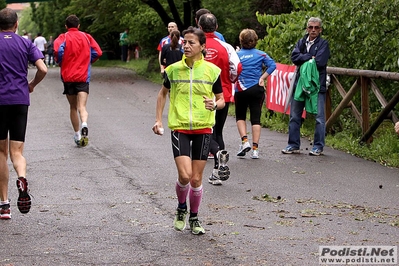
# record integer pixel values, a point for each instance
(211, 156)
(315, 152)
(195, 226)
(224, 170)
(290, 150)
(5, 212)
(214, 178)
(23, 201)
(255, 154)
(180, 219)
(244, 148)
(84, 140)
(77, 140)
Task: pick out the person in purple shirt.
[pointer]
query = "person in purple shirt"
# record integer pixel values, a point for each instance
(15, 52)
(250, 90)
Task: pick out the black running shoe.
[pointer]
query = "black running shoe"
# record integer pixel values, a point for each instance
(23, 201)
(84, 140)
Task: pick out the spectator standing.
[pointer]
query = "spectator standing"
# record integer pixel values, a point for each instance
(74, 52)
(311, 46)
(250, 90)
(50, 52)
(172, 26)
(124, 43)
(225, 57)
(14, 104)
(191, 120)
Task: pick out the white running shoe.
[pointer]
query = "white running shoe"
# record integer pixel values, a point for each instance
(214, 178)
(244, 148)
(224, 170)
(255, 154)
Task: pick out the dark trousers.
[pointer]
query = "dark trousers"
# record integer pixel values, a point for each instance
(124, 53)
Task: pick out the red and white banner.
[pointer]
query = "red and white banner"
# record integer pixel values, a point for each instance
(278, 84)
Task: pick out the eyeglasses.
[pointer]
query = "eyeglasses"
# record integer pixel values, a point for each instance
(313, 27)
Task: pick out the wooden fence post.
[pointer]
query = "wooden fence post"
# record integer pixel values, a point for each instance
(364, 85)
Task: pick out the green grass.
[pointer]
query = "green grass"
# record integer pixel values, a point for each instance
(383, 149)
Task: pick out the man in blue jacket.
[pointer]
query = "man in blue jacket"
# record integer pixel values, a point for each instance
(310, 46)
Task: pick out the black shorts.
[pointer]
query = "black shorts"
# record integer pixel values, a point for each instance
(253, 99)
(13, 120)
(195, 146)
(72, 88)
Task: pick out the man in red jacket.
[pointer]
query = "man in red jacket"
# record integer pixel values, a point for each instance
(225, 57)
(75, 51)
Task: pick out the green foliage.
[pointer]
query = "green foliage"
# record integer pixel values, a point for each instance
(26, 23)
(49, 17)
(146, 27)
(361, 34)
(382, 150)
(230, 26)
(3, 4)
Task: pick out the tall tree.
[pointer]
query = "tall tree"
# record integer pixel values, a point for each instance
(187, 9)
(3, 4)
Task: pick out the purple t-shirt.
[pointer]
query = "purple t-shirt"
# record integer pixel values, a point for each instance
(15, 52)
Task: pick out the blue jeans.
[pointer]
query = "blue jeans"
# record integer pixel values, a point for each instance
(294, 134)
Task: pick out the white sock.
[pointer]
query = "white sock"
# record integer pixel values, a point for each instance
(84, 124)
(4, 202)
(77, 134)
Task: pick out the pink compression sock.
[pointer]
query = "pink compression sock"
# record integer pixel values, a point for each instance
(195, 197)
(182, 191)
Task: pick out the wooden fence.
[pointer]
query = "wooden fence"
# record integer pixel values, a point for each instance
(364, 83)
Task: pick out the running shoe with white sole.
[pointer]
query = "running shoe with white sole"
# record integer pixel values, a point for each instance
(24, 201)
(77, 140)
(316, 152)
(179, 222)
(224, 170)
(290, 150)
(255, 154)
(5, 212)
(243, 149)
(195, 226)
(214, 178)
(84, 140)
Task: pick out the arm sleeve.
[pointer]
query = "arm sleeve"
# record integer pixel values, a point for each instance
(166, 82)
(217, 86)
(297, 57)
(322, 54)
(269, 63)
(234, 63)
(163, 55)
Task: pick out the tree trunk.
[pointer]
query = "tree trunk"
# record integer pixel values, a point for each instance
(154, 4)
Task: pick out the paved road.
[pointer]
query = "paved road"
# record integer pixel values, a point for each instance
(112, 202)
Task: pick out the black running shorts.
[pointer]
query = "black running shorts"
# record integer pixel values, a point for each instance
(195, 146)
(72, 88)
(13, 121)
